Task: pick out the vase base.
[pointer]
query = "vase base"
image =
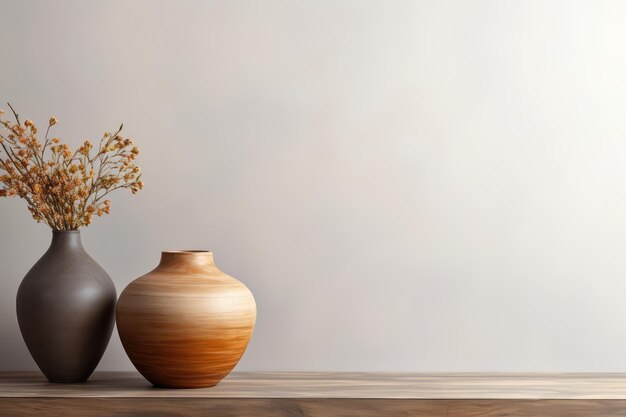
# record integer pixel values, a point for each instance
(155, 386)
(64, 381)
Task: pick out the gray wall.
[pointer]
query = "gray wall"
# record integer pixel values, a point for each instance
(404, 185)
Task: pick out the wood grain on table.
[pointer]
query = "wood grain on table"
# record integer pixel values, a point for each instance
(334, 385)
(311, 394)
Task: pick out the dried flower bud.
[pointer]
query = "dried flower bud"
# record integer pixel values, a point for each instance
(28, 123)
(53, 121)
(84, 150)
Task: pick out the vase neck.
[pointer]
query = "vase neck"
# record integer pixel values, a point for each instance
(69, 239)
(186, 260)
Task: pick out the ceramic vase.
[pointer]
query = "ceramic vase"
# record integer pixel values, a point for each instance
(185, 324)
(65, 310)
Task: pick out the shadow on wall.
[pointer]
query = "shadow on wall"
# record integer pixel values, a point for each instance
(31, 240)
(12, 349)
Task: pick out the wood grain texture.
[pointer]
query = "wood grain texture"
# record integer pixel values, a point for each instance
(270, 407)
(322, 395)
(316, 385)
(306, 407)
(536, 408)
(185, 324)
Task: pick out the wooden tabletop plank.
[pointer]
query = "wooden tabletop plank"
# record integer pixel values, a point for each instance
(323, 394)
(470, 386)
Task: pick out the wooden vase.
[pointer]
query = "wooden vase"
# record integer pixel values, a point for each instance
(185, 324)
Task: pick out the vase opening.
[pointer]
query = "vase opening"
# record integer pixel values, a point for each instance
(186, 258)
(65, 240)
(187, 251)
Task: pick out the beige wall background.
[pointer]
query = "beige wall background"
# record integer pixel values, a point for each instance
(404, 185)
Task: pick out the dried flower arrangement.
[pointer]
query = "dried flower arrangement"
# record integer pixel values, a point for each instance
(64, 189)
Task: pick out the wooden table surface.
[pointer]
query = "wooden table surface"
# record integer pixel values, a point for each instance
(325, 394)
(334, 385)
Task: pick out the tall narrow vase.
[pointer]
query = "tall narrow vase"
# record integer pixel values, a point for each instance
(185, 324)
(65, 309)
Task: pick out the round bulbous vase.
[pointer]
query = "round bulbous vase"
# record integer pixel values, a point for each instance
(185, 324)
(66, 310)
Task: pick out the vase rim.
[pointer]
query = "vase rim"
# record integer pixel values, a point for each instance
(66, 231)
(189, 251)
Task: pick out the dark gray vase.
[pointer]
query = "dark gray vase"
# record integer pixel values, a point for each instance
(65, 309)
